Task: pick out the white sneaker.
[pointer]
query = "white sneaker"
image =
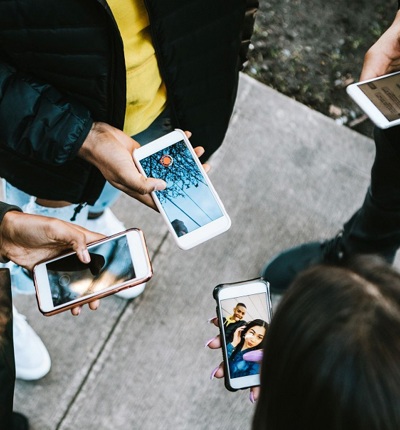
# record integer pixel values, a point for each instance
(21, 281)
(109, 224)
(32, 361)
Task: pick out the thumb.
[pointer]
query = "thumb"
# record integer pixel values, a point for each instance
(148, 185)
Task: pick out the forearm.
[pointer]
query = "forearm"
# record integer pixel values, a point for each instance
(4, 208)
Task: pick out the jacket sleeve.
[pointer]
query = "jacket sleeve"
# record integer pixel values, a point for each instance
(4, 208)
(37, 121)
(248, 26)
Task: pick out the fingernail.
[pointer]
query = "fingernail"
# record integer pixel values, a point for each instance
(86, 256)
(211, 320)
(209, 341)
(256, 355)
(213, 373)
(251, 397)
(160, 185)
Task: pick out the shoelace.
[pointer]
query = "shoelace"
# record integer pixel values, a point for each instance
(332, 249)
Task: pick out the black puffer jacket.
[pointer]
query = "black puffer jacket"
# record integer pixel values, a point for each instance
(62, 67)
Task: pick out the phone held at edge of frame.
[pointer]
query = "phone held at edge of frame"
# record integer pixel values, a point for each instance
(244, 313)
(117, 262)
(189, 205)
(379, 98)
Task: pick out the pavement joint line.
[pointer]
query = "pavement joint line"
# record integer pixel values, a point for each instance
(94, 362)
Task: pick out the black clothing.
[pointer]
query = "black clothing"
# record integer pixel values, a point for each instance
(7, 364)
(62, 67)
(375, 227)
(231, 328)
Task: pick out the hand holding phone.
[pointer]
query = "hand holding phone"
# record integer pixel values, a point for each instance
(244, 312)
(379, 98)
(190, 205)
(117, 262)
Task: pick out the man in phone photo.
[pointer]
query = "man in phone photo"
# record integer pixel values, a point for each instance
(234, 321)
(82, 78)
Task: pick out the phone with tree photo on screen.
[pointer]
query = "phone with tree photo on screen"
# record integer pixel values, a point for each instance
(379, 98)
(117, 262)
(190, 205)
(244, 313)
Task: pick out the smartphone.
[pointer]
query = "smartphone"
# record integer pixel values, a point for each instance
(190, 205)
(244, 313)
(117, 262)
(379, 98)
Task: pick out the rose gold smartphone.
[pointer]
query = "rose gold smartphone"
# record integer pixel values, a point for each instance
(117, 262)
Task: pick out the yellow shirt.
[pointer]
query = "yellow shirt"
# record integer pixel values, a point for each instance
(145, 91)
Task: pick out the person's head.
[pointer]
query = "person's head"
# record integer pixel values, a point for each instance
(252, 336)
(332, 353)
(239, 311)
(179, 227)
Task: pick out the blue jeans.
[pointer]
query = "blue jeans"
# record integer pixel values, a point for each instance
(159, 127)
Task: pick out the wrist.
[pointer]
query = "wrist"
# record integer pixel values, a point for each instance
(6, 229)
(87, 148)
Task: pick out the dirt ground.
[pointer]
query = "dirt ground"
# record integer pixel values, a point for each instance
(312, 49)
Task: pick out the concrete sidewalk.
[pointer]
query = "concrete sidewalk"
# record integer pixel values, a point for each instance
(286, 174)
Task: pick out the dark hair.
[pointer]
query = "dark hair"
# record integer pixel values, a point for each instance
(332, 352)
(249, 325)
(241, 304)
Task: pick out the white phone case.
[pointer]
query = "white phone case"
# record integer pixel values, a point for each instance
(379, 98)
(189, 205)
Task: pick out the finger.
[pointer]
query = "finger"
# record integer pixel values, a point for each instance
(76, 310)
(199, 150)
(214, 320)
(94, 305)
(188, 134)
(218, 372)
(214, 342)
(255, 356)
(206, 167)
(254, 394)
(145, 185)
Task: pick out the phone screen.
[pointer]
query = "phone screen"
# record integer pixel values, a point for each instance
(245, 323)
(187, 201)
(385, 95)
(110, 265)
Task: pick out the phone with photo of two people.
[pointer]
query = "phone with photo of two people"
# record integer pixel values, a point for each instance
(244, 313)
(189, 205)
(117, 262)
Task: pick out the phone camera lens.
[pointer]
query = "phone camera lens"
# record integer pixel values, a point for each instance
(64, 280)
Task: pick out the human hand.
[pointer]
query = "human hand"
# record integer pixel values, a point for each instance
(218, 372)
(110, 150)
(28, 239)
(237, 335)
(384, 56)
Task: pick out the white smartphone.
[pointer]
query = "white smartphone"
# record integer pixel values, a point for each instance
(379, 98)
(117, 262)
(244, 312)
(190, 205)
